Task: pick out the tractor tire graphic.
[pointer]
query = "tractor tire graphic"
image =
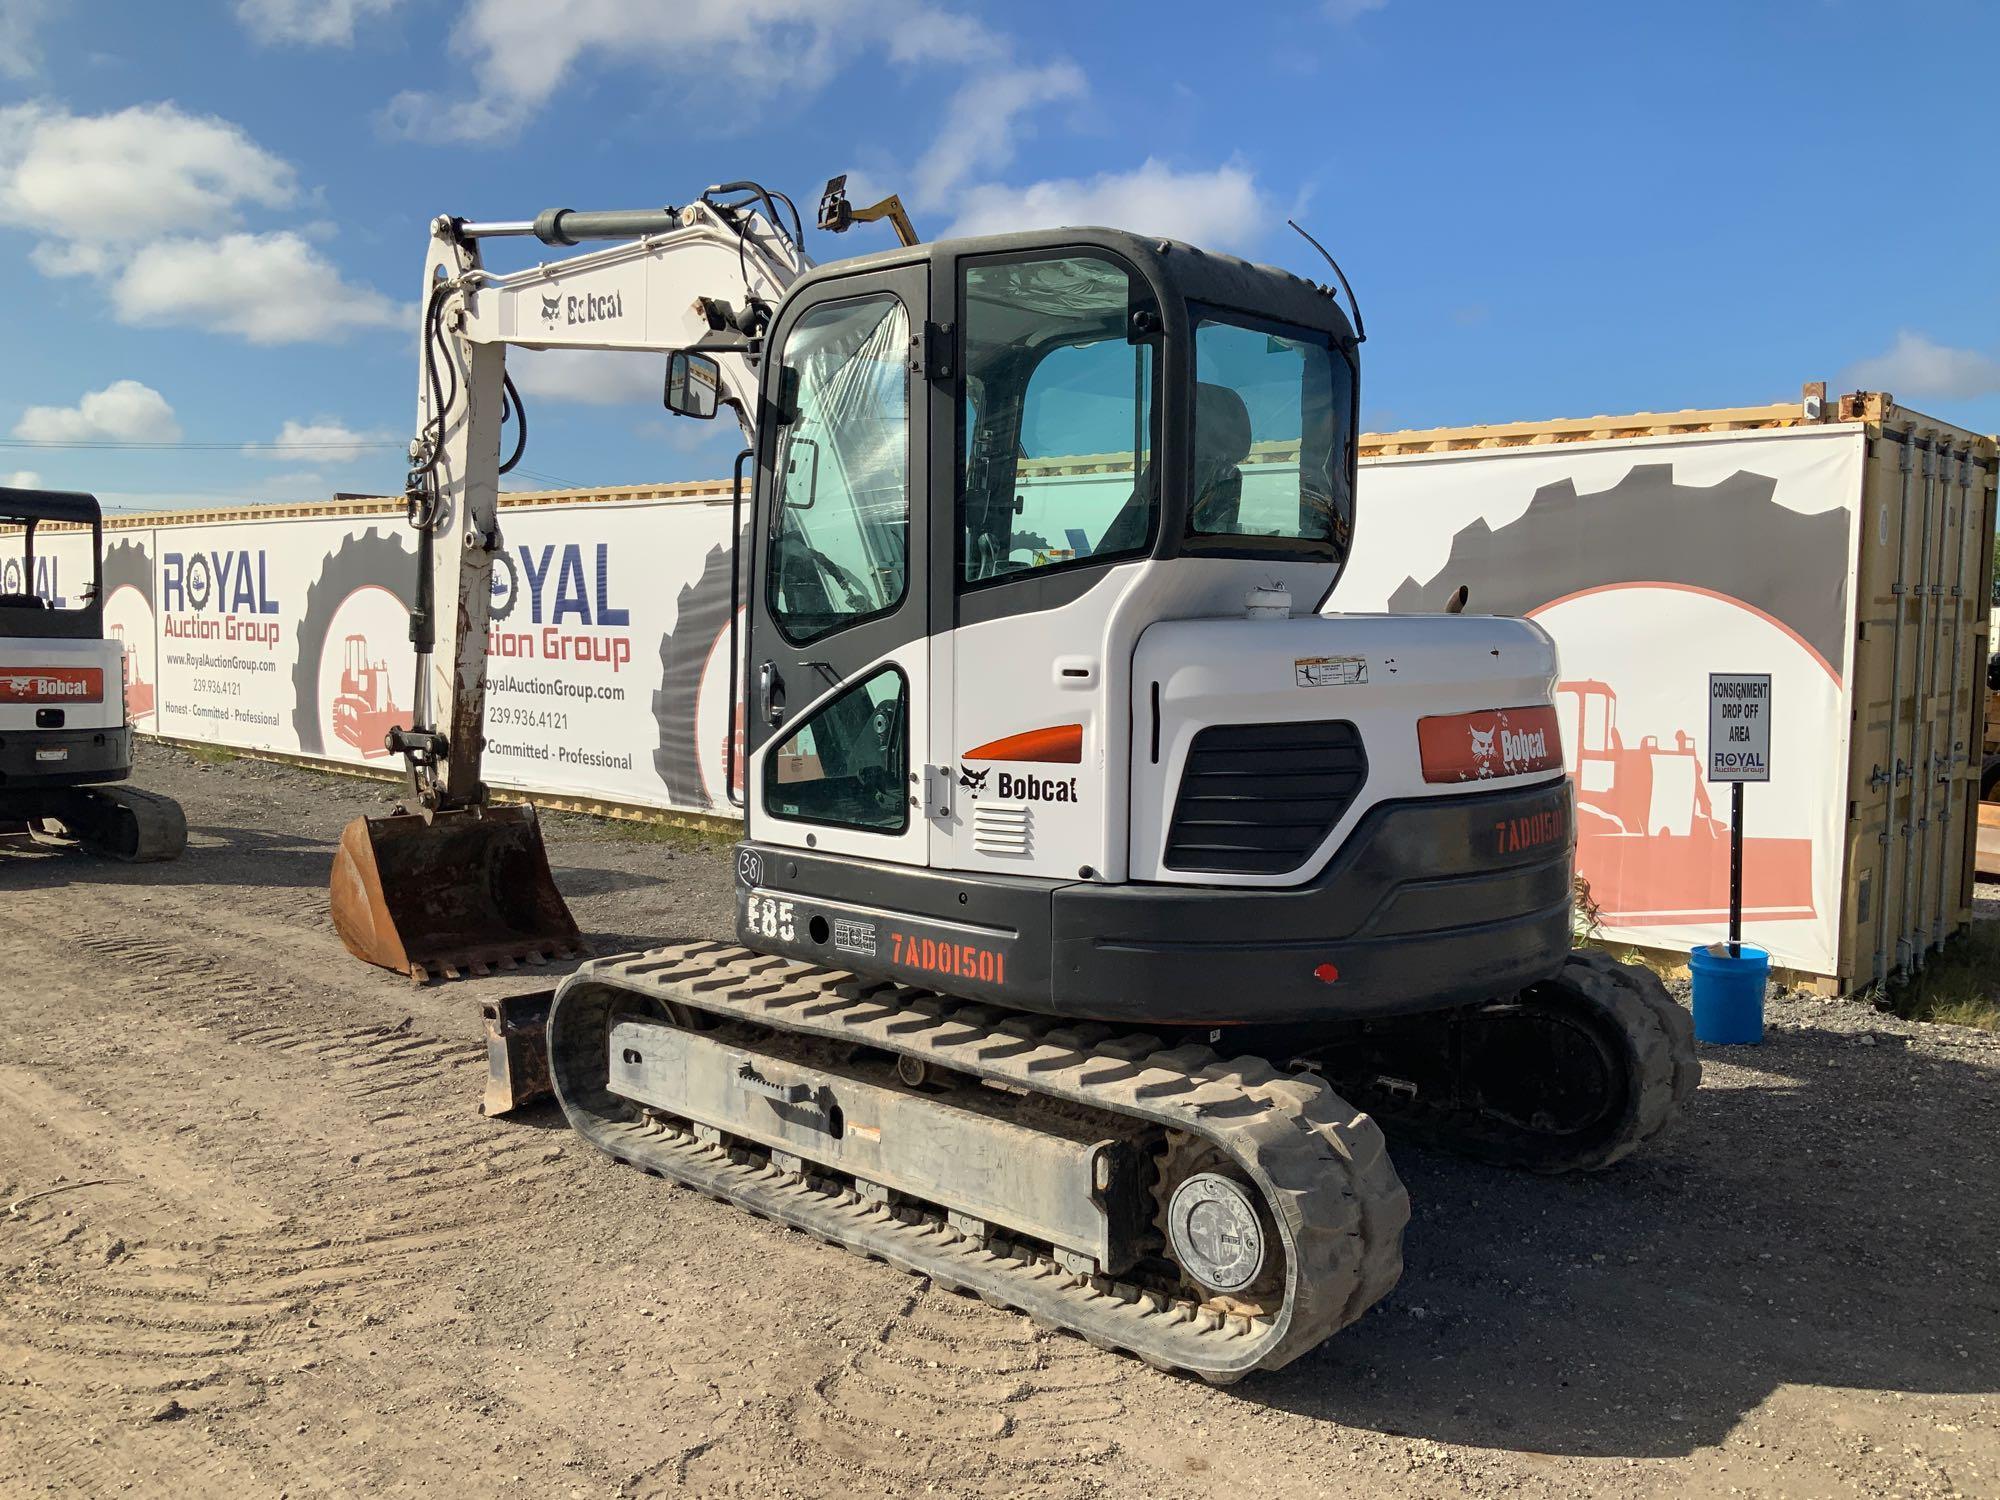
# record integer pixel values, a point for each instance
(1730, 538)
(703, 614)
(128, 565)
(371, 560)
(505, 589)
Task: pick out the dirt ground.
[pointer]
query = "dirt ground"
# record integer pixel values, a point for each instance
(285, 1254)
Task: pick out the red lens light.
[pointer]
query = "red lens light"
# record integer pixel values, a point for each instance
(1326, 973)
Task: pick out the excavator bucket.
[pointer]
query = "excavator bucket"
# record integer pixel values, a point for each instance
(463, 892)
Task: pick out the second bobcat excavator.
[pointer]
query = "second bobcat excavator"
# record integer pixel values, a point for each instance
(65, 695)
(1097, 891)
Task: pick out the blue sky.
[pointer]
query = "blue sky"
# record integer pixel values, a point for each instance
(214, 210)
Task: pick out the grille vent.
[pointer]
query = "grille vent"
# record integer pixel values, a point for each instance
(1003, 827)
(1257, 799)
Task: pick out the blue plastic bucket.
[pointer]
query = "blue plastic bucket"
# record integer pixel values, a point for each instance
(1729, 992)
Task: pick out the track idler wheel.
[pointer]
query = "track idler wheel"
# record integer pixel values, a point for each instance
(1218, 1232)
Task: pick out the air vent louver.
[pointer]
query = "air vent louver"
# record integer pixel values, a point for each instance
(1257, 799)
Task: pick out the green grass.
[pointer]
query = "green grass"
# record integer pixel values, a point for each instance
(671, 835)
(1585, 919)
(210, 755)
(1959, 986)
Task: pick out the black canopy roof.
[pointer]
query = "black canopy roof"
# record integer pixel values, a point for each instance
(48, 505)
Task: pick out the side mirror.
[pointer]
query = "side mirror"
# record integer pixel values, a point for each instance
(694, 384)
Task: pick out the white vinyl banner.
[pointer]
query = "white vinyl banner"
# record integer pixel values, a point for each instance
(608, 675)
(1653, 563)
(226, 601)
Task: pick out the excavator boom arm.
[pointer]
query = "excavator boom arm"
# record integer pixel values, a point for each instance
(693, 278)
(448, 884)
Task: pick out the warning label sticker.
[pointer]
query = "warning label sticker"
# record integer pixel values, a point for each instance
(1330, 671)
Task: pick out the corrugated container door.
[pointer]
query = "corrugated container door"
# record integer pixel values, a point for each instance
(1919, 697)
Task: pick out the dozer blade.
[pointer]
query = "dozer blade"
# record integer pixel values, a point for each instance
(460, 893)
(517, 1051)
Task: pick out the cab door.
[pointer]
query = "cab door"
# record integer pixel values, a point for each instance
(837, 701)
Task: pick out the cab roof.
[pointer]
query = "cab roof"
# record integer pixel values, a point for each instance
(1204, 276)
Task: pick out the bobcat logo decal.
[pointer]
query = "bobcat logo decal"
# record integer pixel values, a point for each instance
(1482, 749)
(973, 781)
(551, 309)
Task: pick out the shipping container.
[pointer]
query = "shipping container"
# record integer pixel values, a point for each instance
(1843, 546)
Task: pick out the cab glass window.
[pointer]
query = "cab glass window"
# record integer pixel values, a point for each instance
(840, 522)
(1273, 421)
(847, 764)
(1056, 466)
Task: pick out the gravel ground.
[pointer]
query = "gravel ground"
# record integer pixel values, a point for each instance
(288, 1257)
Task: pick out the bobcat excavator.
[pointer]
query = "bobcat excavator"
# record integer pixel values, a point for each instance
(65, 724)
(1097, 892)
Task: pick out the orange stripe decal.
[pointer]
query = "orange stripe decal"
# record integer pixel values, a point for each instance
(1059, 743)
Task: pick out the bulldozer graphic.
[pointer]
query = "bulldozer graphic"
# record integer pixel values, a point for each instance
(138, 691)
(365, 709)
(1647, 837)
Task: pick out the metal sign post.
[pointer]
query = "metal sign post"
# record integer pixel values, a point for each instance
(1739, 750)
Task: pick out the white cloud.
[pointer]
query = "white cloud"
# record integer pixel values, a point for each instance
(21, 479)
(1222, 208)
(1915, 366)
(322, 440)
(151, 201)
(264, 288)
(125, 411)
(520, 55)
(298, 484)
(85, 181)
(518, 59)
(20, 54)
(589, 377)
(978, 133)
(307, 23)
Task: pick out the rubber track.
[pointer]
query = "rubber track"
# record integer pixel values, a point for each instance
(148, 827)
(1321, 1165)
(1674, 1021)
(1663, 1072)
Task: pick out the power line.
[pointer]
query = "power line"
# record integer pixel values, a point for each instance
(552, 479)
(326, 447)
